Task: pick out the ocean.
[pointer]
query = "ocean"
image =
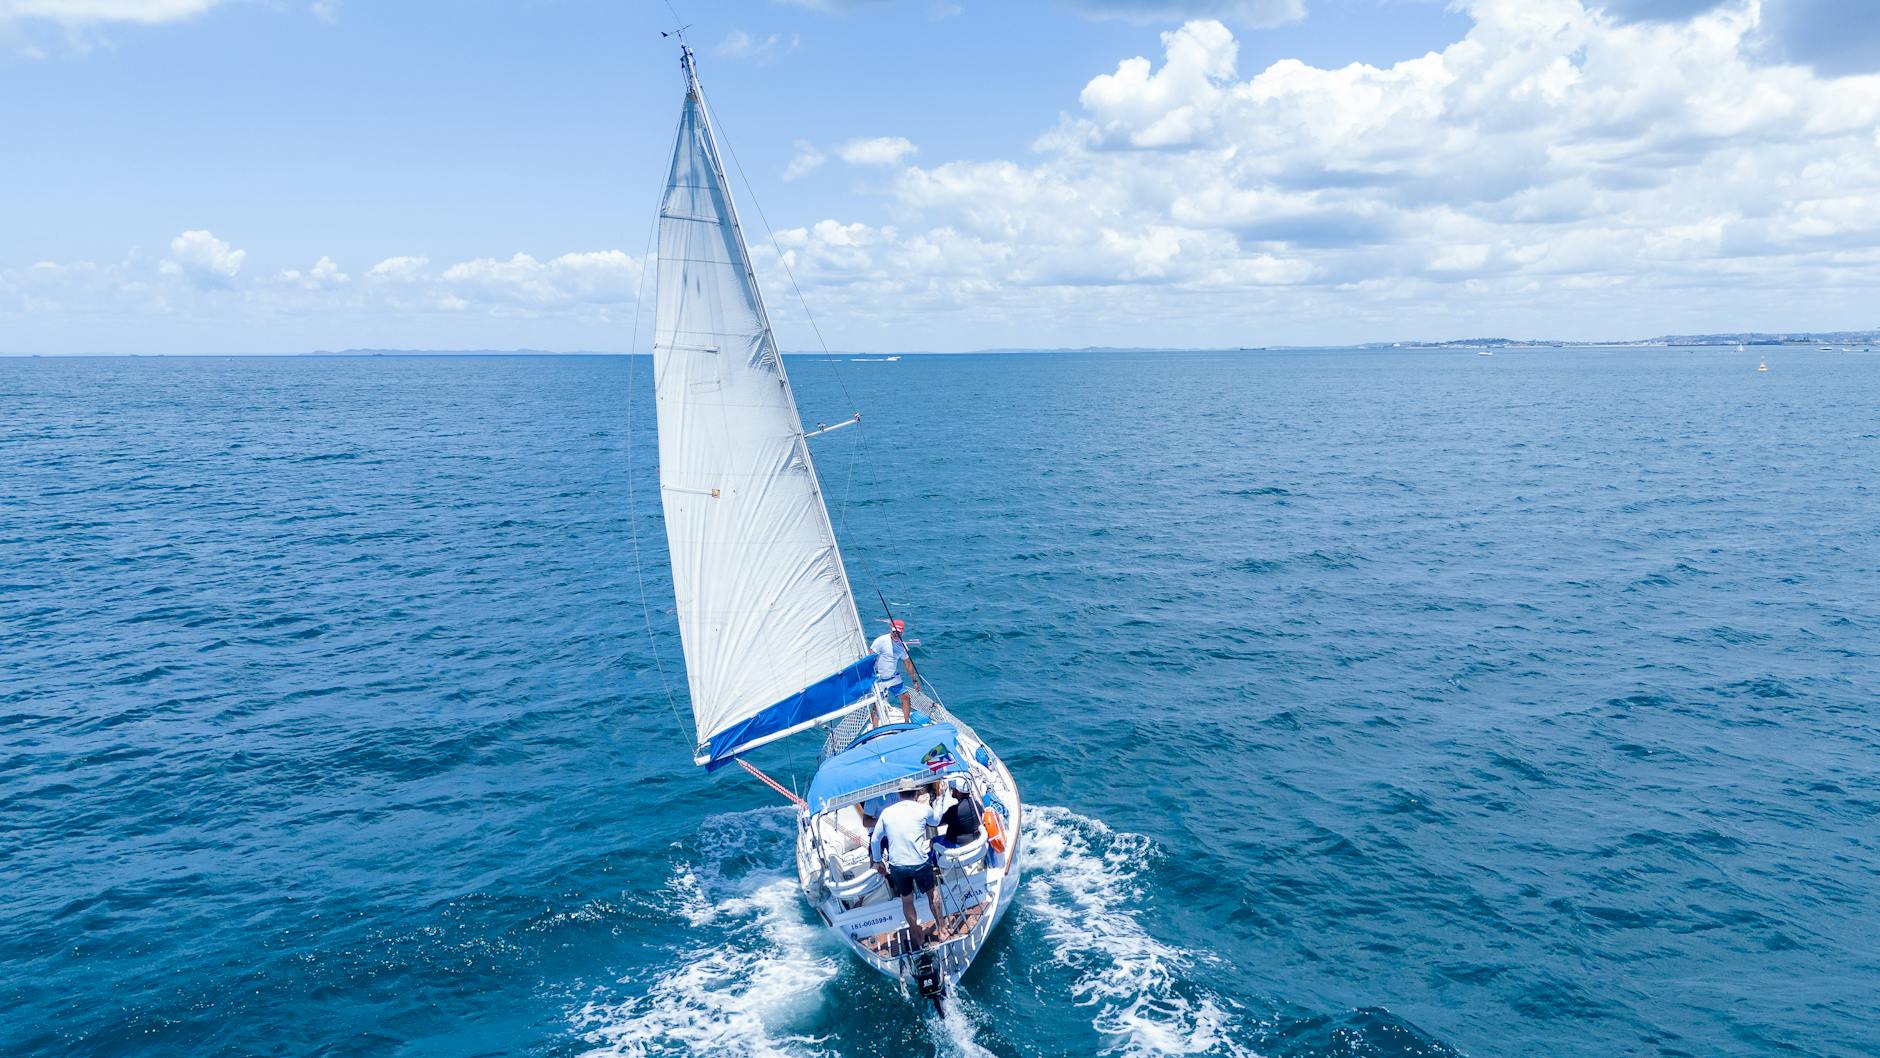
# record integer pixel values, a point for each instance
(1372, 703)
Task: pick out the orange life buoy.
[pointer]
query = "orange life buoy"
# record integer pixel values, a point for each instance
(995, 833)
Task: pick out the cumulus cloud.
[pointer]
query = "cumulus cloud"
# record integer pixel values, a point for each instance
(605, 277)
(1173, 105)
(806, 161)
(203, 277)
(89, 11)
(880, 150)
(324, 275)
(204, 260)
(1561, 169)
(1559, 163)
(404, 269)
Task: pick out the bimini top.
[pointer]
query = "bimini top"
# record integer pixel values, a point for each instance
(926, 751)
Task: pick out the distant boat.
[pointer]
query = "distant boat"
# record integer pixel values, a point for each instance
(773, 643)
(1486, 352)
(1762, 365)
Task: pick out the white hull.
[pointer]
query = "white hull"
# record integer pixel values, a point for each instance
(974, 894)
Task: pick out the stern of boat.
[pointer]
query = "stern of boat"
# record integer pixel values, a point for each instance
(977, 882)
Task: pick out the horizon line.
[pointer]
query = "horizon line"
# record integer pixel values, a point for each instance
(1763, 338)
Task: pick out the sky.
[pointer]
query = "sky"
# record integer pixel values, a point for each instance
(269, 176)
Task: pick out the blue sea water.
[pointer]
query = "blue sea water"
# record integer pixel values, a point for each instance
(1373, 704)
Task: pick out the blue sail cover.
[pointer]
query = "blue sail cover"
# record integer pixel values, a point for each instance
(927, 751)
(821, 700)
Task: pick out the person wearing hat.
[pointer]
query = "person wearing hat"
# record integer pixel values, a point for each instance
(890, 650)
(959, 824)
(903, 853)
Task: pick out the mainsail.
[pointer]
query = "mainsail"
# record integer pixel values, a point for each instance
(773, 643)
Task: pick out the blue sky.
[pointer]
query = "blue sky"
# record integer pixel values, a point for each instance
(247, 176)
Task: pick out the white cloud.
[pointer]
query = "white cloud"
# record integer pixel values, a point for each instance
(399, 269)
(741, 45)
(326, 11)
(880, 150)
(204, 260)
(1173, 105)
(606, 277)
(806, 161)
(83, 11)
(324, 275)
(202, 280)
(1558, 170)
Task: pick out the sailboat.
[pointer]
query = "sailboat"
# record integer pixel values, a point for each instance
(774, 645)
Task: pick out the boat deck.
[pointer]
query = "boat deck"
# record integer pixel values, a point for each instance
(896, 943)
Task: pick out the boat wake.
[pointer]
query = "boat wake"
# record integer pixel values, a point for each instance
(751, 969)
(1084, 884)
(755, 966)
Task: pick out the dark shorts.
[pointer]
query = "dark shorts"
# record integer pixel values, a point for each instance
(906, 881)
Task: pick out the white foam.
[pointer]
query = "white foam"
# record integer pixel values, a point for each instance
(736, 991)
(758, 966)
(955, 1031)
(1081, 882)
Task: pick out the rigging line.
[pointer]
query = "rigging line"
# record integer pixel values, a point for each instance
(770, 782)
(633, 516)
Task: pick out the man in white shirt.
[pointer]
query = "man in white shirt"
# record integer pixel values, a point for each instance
(890, 658)
(902, 853)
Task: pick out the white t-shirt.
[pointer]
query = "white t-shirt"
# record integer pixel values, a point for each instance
(901, 833)
(887, 653)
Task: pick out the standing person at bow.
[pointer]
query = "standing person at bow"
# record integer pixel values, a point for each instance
(890, 658)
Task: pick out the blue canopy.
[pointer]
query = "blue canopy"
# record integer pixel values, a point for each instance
(927, 751)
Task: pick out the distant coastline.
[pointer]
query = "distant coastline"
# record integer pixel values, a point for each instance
(1871, 337)
(1762, 338)
(1867, 339)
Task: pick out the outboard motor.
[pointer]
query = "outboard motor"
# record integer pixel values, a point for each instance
(927, 977)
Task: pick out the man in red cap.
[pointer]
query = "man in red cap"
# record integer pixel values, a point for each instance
(889, 649)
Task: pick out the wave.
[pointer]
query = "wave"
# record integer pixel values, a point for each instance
(1084, 883)
(754, 966)
(757, 967)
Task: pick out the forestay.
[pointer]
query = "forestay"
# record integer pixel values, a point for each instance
(773, 643)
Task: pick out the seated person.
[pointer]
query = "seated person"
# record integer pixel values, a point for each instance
(959, 824)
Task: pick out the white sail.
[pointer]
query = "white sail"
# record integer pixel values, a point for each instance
(773, 643)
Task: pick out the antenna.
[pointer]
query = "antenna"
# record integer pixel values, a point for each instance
(680, 32)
